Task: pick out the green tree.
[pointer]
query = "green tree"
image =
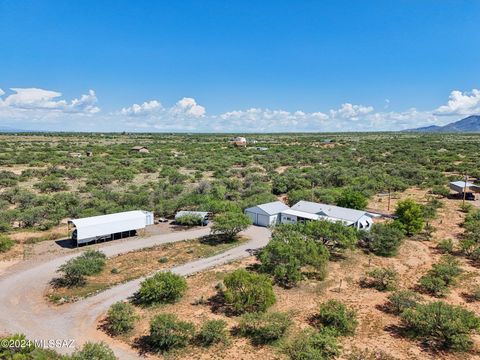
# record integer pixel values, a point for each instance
(352, 199)
(335, 236)
(248, 292)
(410, 216)
(288, 253)
(230, 224)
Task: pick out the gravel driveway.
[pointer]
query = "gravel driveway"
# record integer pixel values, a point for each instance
(23, 308)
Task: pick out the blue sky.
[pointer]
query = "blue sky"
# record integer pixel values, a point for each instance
(238, 65)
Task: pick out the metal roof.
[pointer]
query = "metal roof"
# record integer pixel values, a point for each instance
(459, 186)
(91, 227)
(332, 211)
(110, 218)
(270, 208)
(202, 214)
(310, 216)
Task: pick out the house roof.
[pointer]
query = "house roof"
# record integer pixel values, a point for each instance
(332, 211)
(270, 208)
(310, 216)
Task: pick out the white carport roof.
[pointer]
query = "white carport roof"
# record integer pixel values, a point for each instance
(458, 186)
(107, 219)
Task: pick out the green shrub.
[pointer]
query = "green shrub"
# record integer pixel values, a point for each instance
(335, 316)
(91, 262)
(167, 332)
(441, 326)
(313, 345)
(382, 279)
(401, 300)
(263, 328)
(5, 243)
(120, 318)
(163, 287)
(445, 246)
(94, 351)
(248, 292)
(442, 275)
(189, 220)
(212, 332)
(382, 239)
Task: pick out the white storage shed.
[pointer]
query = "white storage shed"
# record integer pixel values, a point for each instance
(267, 214)
(105, 227)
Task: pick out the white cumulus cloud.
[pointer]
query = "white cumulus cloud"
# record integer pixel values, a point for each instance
(461, 103)
(188, 107)
(147, 108)
(350, 111)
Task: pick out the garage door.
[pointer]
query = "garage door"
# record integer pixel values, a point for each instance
(252, 216)
(263, 220)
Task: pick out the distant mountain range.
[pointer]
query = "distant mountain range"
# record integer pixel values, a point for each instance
(8, 129)
(469, 124)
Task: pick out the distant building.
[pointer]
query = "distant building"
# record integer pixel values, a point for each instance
(469, 188)
(140, 149)
(239, 141)
(89, 153)
(75, 154)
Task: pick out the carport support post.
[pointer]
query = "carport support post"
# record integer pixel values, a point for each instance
(464, 189)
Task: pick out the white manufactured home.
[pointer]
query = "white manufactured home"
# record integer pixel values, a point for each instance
(109, 227)
(277, 212)
(360, 219)
(267, 214)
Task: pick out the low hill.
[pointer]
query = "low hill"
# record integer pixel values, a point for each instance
(469, 124)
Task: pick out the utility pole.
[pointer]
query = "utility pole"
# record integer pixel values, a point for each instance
(389, 197)
(465, 189)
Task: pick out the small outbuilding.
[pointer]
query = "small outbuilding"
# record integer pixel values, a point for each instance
(202, 215)
(461, 186)
(109, 227)
(239, 141)
(140, 149)
(267, 214)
